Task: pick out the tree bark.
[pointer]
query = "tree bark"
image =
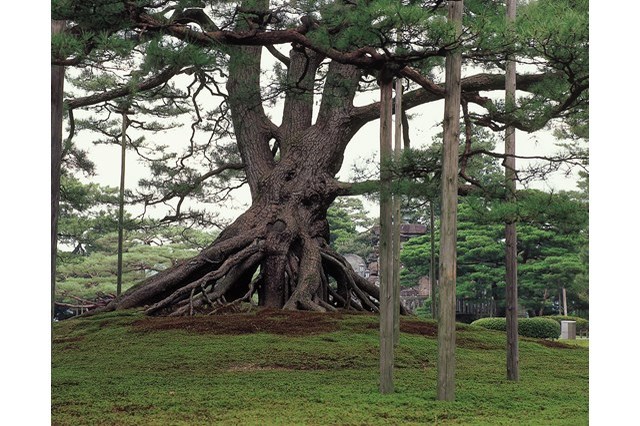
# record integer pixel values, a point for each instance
(511, 239)
(285, 234)
(57, 95)
(448, 226)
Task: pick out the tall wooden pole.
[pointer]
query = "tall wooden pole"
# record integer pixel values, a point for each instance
(432, 269)
(386, 243)
(448, 226)
(397, 219)
(57, 94)
(123, 153)
(511, 239)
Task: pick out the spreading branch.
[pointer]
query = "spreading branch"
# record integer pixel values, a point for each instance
(125, 90)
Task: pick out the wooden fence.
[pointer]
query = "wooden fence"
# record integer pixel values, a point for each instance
(478, 308)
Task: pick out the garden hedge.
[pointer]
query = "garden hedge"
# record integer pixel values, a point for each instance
(541, 328)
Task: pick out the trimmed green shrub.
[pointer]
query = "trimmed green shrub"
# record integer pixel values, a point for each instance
(499, 323)
(541, 328)
(582, 325)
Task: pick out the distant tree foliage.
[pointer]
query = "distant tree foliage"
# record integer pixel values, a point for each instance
(552, 237)
(350, 227)
(88, 243)
(91, 273)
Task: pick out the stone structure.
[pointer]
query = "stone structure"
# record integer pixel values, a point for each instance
(407, 231)
(358, 264)
(568, 330)
(424, 286)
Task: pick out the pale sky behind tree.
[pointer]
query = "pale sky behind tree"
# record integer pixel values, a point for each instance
(424, 125)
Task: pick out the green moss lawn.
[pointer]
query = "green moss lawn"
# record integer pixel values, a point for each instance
(276, 368)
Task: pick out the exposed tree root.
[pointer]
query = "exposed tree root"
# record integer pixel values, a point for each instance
(208, 279)
(281, 263)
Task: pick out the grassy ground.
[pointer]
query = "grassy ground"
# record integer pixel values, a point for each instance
(276, 368)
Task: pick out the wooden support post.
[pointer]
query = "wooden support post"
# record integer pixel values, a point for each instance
(448, 226)
(432, 269)
(397, 219)
(511, 239)
(123, 151)
(57, 94)
(386, 261)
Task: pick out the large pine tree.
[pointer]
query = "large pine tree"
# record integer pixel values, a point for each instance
(335, 50)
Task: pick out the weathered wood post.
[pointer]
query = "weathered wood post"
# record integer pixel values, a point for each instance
(448, 227)
(386, 243)
(57, 94)
(511, 239)
(123, 153)
(432, 269)
(397, 219)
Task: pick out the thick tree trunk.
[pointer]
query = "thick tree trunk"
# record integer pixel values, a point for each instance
(284, 235)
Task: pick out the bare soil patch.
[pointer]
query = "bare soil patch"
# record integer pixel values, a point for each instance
(411, 327)
(431, 330)
(254, 367)
(419, 327)
(552, 344)
(290, 323)
(471, 343)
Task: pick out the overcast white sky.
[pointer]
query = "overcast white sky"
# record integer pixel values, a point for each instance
(424, 125)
